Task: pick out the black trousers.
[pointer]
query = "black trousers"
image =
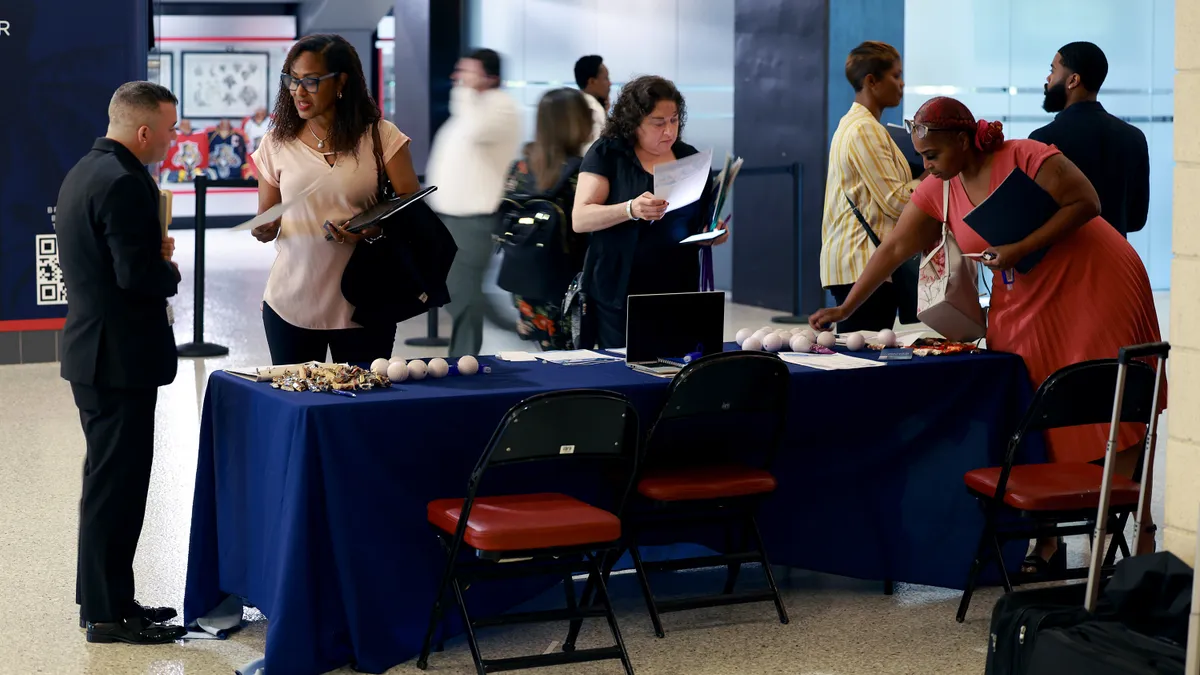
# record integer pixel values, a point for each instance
(119, 427)
(291, 344)
(877, 313)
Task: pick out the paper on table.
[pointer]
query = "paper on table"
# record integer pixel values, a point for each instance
(276, 212)
(574, 356)
(617, 350)
(516, 357)
(703, 236)
(829, 361)
(682, 182)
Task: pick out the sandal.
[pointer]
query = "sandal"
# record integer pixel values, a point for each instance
(1036, 568)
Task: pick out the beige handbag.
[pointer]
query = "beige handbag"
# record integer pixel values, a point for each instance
(948, 287)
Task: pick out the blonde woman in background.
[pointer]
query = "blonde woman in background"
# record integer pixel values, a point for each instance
(866, 166)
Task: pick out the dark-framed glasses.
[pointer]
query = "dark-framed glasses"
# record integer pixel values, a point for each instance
(310, 84)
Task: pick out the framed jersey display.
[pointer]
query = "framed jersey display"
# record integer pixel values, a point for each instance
(223, 84)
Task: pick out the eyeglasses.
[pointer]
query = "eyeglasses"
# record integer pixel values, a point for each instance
(311, 84)
(921, 130)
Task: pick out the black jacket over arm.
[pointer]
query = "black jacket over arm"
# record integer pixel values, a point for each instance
(1112, 154)
(110, 250)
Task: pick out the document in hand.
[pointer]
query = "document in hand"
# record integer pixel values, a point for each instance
(1011, 213)
(276, 212)
(682, 182)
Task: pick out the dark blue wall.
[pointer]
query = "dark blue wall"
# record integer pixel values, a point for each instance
(780, 108)
(852, 22)
(62, 61)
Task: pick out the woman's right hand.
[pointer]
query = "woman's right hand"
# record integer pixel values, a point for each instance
(266, 233)
(648, 207)
(823, 319)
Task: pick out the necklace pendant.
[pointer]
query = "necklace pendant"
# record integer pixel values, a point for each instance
(320, 145)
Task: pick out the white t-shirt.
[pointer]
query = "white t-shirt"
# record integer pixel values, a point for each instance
(305, 285)
(599, 119)
(255, 131)
(472, 151)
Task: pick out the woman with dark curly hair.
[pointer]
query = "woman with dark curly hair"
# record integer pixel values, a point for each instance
(635, 245)
(326, 128)
(1088, 297)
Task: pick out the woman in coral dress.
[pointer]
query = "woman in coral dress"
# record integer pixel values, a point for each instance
(1088, 297)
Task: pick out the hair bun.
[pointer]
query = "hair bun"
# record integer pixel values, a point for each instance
(989, 135)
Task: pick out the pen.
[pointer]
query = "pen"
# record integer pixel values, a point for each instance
(342, 392)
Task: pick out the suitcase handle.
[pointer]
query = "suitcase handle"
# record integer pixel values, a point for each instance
(1128, 354)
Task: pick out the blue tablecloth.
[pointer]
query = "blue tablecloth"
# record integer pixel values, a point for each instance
(312, 506)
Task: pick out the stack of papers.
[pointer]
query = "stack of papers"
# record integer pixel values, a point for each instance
(575, 357)
(829, 361)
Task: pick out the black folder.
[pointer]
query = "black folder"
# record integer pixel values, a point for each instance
(383, 210)
(1011, 213)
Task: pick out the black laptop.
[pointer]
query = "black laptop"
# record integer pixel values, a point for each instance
(664, 330)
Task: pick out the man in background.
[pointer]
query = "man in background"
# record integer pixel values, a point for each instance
(117, 349)
(592, 77)
(1110, 152)
(468, 163)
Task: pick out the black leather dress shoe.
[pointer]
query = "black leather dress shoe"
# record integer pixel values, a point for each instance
(151, 614)
(135, 631)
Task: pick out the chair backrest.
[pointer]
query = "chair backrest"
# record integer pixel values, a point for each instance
(720, 399)
(565, 424)
(1083, 393)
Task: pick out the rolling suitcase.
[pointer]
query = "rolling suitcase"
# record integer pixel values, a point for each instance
(1020, 620)
(1104, 648)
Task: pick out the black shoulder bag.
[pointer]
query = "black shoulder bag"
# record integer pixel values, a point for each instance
(401, 273)
(905, 278)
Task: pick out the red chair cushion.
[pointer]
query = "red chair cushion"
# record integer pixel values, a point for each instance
(1053, 487)
(526, 522)
(705, 482)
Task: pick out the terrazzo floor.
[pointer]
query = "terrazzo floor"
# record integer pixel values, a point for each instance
(838, 627)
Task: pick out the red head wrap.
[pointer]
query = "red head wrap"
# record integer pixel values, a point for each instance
(947, 114)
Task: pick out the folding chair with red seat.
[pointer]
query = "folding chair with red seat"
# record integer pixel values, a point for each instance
(513, 535)
(1060, 499)
(702, 465)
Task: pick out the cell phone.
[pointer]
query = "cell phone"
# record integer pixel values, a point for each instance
(985, 256)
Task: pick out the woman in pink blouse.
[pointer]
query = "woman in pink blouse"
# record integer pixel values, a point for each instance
(322, 131)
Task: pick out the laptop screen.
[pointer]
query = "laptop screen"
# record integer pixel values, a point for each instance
(673, 325)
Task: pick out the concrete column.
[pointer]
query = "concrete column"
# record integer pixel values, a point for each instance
(1182, 479)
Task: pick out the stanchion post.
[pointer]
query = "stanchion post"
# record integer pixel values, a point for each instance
(797, 184)
(431, 338)
(198, 348)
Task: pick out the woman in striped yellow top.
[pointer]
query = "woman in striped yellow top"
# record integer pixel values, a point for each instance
(865, 165)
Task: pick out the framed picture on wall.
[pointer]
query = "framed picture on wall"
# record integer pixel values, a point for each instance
(222, 84)
(161, 69)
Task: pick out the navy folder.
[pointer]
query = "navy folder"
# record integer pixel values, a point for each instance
(1011, 213)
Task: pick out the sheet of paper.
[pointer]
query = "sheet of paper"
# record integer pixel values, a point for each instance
(276, 212)
(618, 350)
(268, 373)
(516, 357)
(682, 182)
(703, 236)
(575, 356)
(829, 361)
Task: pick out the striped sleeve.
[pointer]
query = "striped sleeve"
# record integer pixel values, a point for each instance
(872, 153)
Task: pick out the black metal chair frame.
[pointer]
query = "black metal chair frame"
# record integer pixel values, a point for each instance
(730, 511)
(561, 560)
(1041, 416)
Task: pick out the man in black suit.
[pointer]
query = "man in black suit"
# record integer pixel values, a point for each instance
(1110, 152)
(117, 349)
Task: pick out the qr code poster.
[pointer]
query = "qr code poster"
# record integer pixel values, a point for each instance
(50, 287)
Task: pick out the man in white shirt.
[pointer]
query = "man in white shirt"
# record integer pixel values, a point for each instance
(592, 77)
(468, 163)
